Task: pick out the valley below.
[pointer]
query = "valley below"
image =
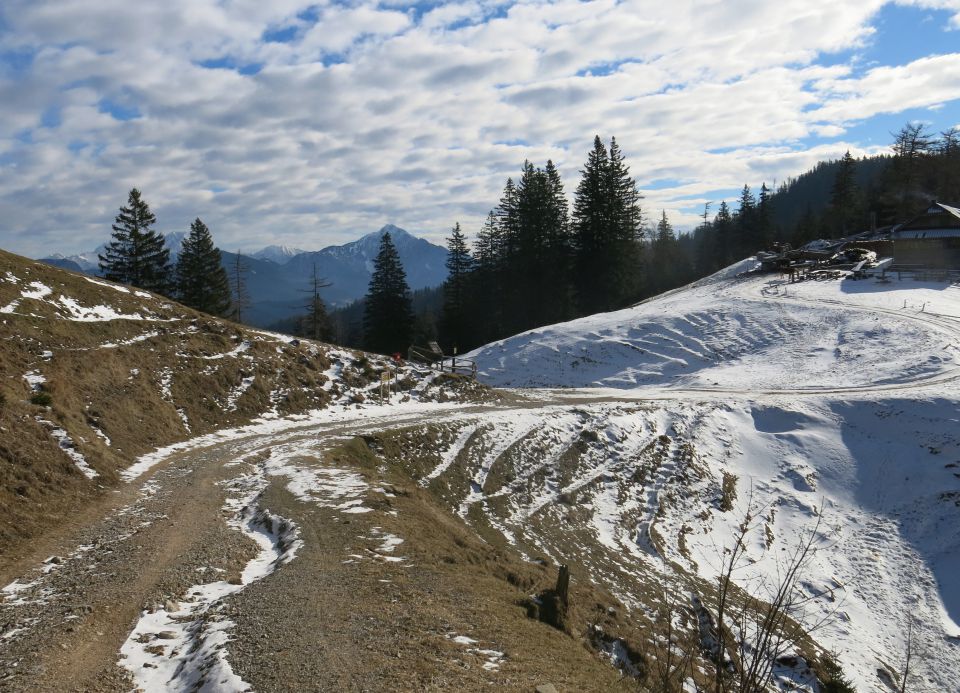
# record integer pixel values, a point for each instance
(348, 544)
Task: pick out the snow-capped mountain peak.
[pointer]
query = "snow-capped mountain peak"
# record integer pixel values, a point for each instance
(280, 254)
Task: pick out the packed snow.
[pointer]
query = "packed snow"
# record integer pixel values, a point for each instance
(746, 334)
(830, 401)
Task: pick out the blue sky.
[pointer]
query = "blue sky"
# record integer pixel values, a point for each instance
(311, 123)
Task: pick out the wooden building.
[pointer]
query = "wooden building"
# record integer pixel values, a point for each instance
(931, 239)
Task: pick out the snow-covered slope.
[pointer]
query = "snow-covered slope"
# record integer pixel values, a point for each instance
(833, 400)
(748, 334)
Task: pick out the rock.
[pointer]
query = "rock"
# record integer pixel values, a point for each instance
(167, 635)
(546, 688)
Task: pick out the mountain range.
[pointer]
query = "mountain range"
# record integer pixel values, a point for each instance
(277, 277)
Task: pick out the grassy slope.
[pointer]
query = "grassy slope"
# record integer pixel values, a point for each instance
(120, 390)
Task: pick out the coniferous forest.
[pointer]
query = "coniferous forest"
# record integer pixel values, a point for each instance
(538, 260)
(535, 262)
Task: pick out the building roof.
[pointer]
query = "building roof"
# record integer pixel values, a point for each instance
(938, 221)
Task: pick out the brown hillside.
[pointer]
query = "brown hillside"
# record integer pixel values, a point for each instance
(94, 374)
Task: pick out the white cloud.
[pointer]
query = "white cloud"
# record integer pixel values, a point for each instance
(413, 121)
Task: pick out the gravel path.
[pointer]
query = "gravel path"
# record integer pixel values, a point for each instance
(361, 607)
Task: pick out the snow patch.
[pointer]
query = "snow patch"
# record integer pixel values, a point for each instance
(66, 444)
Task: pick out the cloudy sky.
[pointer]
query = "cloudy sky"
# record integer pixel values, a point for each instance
(309, 124)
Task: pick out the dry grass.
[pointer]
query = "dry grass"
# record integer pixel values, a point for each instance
(665, 650)
(471, 585)
(142, 383)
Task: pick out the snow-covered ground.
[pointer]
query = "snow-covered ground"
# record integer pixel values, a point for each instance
(830, 399)
(756, 333)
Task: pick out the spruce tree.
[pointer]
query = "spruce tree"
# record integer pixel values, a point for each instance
(388, 312)
(607, 231)
(626, 230)
(201, 279)
(137, 254)
(558, 251)
(486, 303)
(745, 223)
(455, 319)
(724, 230)
(666, 256)
(763, 223)
(844, 197)
(590, 217)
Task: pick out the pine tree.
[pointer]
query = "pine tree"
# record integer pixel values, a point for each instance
(844, 196)
(238, 288)
(607, 231)
(745, 221)
(201, 279)
(315, 323)
(137, 254)
(723, 228)
(388, 313)
(454, 320)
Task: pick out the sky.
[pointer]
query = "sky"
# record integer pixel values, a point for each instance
(309, 124)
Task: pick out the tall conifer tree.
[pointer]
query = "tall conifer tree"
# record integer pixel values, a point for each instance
(388, 313)
(724, 230)
(201, 279)
(745, 221)
(486, 302)
(607, 225)
(455, 321)
(137, 254)
(844, 196)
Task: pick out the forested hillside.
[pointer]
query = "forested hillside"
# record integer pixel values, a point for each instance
(536, 262)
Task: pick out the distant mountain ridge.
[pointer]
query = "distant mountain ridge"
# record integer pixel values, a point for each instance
(281, 254)
(278, 276)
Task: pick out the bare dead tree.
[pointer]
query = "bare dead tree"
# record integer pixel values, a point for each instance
(767, 614)
(775, 622)
(732, 557)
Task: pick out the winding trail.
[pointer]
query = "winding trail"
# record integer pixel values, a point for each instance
(73, 599)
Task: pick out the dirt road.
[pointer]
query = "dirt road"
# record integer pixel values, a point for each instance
(375, 598)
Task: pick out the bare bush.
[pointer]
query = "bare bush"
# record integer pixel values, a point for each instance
(761, 621)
